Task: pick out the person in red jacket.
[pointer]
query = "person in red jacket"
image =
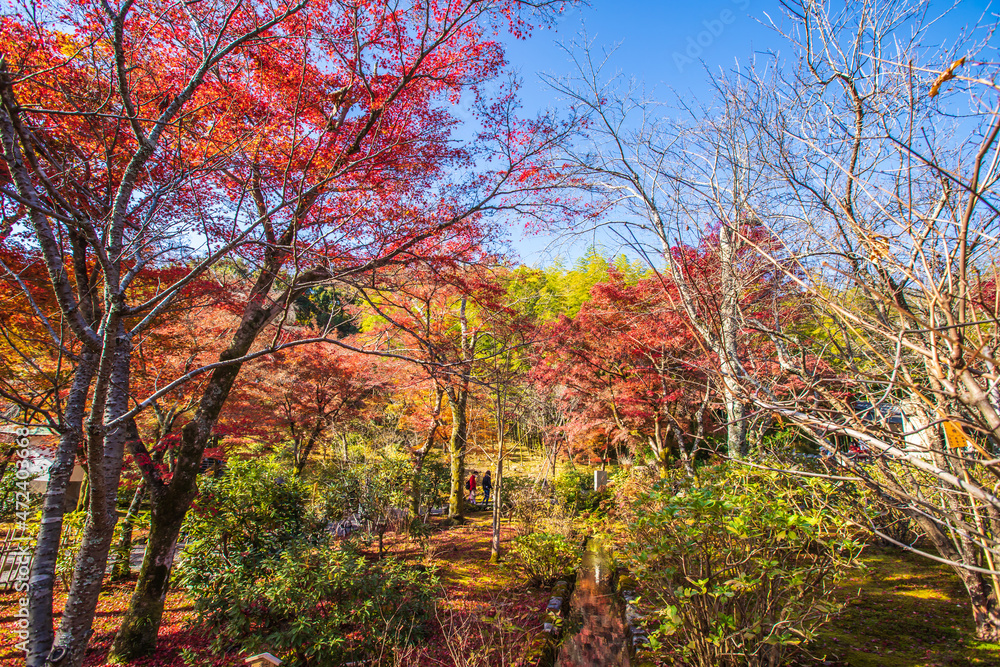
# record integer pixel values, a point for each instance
(471, 486)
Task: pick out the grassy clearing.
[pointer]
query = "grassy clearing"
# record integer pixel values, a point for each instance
(902, 610)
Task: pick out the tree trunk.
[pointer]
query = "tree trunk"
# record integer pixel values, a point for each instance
(659, 446)
(416, 486)
(685, 456)
(169, 504)
(736, 427)
(983, 600)
(456, 447)
(729, 311)
(724, 342)
(302, 455)
(985, 611)
(555, 456)
(755, 435)
(43, 567)
(497, 488)
(83, 499)
(137, 634)
(105, 455)
(123, 552)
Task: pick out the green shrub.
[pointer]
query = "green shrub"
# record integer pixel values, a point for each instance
(366, 489)
(525, 504)
(435, 482)
(544, 557)
(570, 484)
(736, 567)
(314, 605)
(575, 489)
(74, 524)
(515, 488)
(249, 515)
(69, 545)
(10, 485)
(265, 575)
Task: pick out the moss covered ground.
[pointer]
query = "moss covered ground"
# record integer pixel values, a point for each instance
(902, 610)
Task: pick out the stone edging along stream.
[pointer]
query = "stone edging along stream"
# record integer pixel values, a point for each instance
(554, 610)
(634, 619)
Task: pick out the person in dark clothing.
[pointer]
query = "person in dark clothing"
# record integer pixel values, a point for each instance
(487, 486)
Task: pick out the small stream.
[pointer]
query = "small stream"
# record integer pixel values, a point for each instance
(595, 632)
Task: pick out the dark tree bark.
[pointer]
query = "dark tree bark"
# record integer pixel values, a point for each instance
(302, 454)
(137, 634)
(498, 482)
(169, 502)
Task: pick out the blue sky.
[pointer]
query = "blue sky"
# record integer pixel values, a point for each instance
(668, 45)
(656, 40)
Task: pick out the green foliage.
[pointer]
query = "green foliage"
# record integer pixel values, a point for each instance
(435, 482)
(574, 488)
(514, 486)
(264, 573)
(248, 515)
(325, 307)
(526, 505)
(534, 509)
(736, 567)
(72, 537)
(544, 557)
(366, 489)
(881, 512)
(314, 604)
(868, 509)
(546, 294)
(788, 440)
(71, 540)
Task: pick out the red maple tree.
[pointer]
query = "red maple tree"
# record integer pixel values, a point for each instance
(630, 372)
